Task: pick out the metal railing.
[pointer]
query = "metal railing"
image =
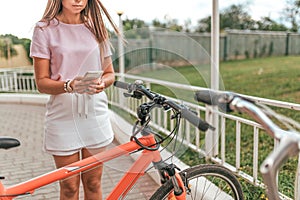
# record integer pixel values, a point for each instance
(192, 137)
(17, 81)
(198, 141)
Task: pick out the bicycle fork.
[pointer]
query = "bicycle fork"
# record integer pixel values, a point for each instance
(168, 172)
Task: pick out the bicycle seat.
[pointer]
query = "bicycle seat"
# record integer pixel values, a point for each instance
(7, 143)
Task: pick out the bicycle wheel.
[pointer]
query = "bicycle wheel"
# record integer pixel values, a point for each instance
(206, 182)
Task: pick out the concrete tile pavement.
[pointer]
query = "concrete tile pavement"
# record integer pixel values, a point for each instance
(25, 122)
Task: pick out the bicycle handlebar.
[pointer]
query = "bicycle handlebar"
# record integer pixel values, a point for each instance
(215, 98)
(139, 90)
(289, 140)
(229, 102)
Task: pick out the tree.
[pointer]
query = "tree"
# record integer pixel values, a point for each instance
(233, 17)
(156, 23)
(170, 24)
(267, 24)
(187, 26)
(291, 14)
(7, 43)
(236, 17)
(135, 28)
(6, 47)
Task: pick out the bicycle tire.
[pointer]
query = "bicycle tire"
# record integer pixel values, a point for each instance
(216, 174)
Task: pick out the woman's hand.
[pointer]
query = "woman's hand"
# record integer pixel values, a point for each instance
(89, 87)
(96, 86)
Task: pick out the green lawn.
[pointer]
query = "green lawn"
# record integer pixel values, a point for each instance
(273, 78)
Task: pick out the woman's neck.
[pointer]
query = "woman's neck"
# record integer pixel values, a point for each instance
(69, 18)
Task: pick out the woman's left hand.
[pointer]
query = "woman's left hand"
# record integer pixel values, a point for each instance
(96, 87)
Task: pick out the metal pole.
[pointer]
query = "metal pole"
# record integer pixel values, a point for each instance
(212, 136)
(121, 57)
(215, 46)
(121, 47)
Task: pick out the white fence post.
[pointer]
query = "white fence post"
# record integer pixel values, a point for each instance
(211, 137)
(15, 77)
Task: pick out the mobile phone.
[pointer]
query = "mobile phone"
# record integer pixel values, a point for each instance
(92, 75)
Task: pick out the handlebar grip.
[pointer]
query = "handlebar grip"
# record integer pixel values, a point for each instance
(122, 85)
(207, 96)
(220, 99)
(195, 120)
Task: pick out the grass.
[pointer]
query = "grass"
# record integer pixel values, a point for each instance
(273, 78)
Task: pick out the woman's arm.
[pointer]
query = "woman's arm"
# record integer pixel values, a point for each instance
(48, 86)
(42, 78)
(108, 72)
(97, 85)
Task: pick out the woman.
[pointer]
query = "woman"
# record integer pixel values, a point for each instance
(68, 41)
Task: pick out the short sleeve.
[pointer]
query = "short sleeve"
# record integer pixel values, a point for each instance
(39, 45)
(107, 49)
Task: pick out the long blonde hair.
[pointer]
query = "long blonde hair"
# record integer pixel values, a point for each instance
(91, 16)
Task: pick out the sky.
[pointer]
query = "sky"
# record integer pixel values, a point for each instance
(18, 17)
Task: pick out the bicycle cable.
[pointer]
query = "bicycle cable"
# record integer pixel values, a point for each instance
(137, 130)
(172, 135)
(174, 132)
(286, 121)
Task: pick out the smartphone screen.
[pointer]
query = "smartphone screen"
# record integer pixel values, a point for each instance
(92, 75)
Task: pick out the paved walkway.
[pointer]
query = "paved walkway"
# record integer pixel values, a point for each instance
(25, 122)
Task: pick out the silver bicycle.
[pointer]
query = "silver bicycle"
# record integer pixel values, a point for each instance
(288, 140)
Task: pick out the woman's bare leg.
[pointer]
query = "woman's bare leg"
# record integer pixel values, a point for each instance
(69, 187)
(91, 179)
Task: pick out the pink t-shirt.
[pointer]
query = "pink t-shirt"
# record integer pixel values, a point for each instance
(72, 49)
(73, 121)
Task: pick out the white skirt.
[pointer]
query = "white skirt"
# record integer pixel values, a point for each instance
(76, 121)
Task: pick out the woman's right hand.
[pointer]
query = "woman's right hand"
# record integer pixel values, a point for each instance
(80, 86)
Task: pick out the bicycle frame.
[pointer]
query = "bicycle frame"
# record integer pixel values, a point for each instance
(288, 146)
(119, 191)
(147, 143)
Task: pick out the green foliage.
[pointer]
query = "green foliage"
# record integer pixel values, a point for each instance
(170, 24)
(6, 48)
(135, 29)
(237, 17)
(267, 24)
(291, 14)
(8, 40)
(26, 43)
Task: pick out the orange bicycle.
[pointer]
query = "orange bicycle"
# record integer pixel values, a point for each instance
(196, 182)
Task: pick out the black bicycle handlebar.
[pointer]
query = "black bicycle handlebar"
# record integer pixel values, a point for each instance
(211, 97)
(229, 102)
(190, 116)
(138, 87)
(122, 85)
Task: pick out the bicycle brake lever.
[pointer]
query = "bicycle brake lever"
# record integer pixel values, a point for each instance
(136, 95)
(166, 108)
(127, 95)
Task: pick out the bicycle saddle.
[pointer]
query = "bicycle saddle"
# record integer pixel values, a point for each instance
(6, 143)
